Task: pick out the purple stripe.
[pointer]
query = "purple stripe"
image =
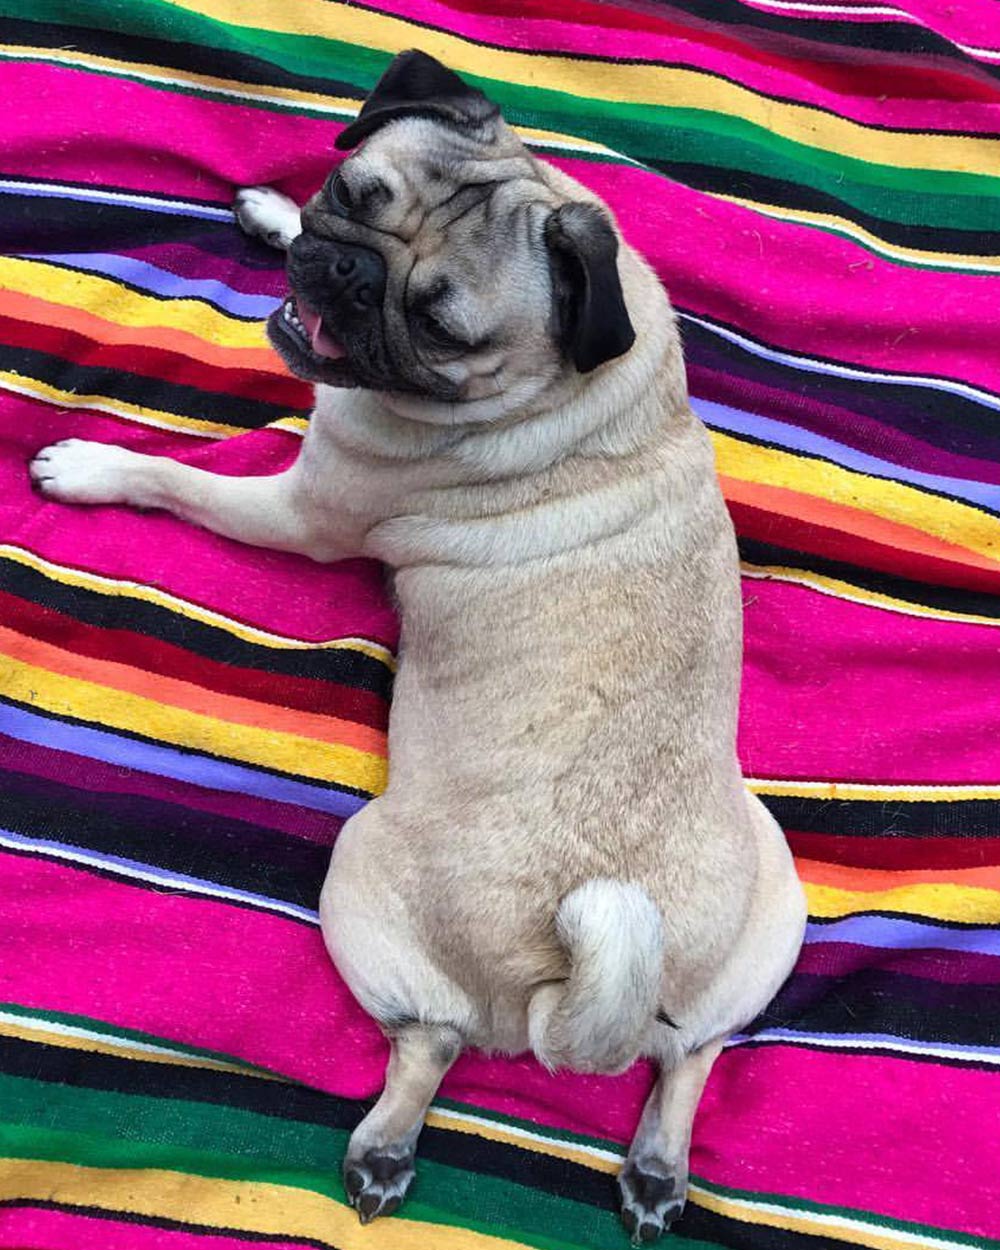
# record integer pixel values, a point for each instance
(840, 959)
(151, 758)
(149, 278)
(222, 254)
(87, 773)
(794, 438)
(887, 1040)
(878, 437)
(902, 934)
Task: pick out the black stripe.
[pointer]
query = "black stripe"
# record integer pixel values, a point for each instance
(181, 749)
(940, 417)
(344, 667)
(199, 844)
(724, 180)
(212, 61)
(515, 1164)
(921, 594)
(885, 1051)
(887, 818)
(159, 1221)
(175, 398)
(893, 37)
(703, 1226)
(873, 1001)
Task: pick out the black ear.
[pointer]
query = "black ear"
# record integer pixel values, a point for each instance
(592, 322)
(415, 85)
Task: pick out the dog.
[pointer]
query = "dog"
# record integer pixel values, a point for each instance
(566, 858)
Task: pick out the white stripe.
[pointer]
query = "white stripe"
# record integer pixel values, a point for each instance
(164, 878)
(823, 1219)
(92, 1035)
(68, 400)
(132, 200)
(120, 586)
(809, 365)
(902, 1046)
(461, 1117)
(872, 10)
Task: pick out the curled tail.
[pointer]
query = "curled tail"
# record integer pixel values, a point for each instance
(596, 1019)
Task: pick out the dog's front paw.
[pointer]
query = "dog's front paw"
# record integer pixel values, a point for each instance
(75, 471)
(268, 215)
(377, 1181)
(650, 1201)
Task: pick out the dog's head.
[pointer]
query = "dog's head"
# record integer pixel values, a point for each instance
(439, 264)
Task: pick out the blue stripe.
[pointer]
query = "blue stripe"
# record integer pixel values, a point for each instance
(199, 770)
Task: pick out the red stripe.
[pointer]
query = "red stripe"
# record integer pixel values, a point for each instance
(150, 654)
(153, 362)
(800, 535)
(897, 851)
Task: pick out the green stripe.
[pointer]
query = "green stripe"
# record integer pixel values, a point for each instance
(34, 1016)
(797, 1204)
(645, 132)
(114, 1130)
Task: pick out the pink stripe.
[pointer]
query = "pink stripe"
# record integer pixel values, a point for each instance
(89, 774)
(824, 682)
(791, 285)
(912, 1141)
(249, 985)
(795, 288)
(738, 64)
(270, 590)
(26, 1228)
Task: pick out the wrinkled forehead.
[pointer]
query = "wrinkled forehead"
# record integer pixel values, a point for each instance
(423, 165)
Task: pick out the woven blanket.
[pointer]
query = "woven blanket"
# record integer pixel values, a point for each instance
(186, 722)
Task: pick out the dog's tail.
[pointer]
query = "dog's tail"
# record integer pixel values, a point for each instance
(596, 1019)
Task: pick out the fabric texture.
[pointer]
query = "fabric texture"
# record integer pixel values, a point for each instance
(186, 722)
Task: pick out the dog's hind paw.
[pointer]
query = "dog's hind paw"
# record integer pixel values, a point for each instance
(376, 1182)
(650, 1202)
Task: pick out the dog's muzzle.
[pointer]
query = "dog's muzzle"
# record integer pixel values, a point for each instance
(351, 278)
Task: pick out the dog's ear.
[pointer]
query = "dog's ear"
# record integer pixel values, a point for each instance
(592, 322)
(415, 85)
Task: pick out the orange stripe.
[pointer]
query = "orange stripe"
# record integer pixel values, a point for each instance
(35, 311)
(817, 511)
(845, 877)
(191, 698)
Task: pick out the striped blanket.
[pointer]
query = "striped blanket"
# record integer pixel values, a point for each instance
(185, 723)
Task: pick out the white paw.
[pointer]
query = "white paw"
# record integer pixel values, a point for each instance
(75, 471)
(268, 214)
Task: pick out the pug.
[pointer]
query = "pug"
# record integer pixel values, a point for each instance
(566, 858)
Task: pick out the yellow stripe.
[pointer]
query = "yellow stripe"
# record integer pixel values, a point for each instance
(36, 389)
(106, 299)
(343, 107)
(938, 901)
(101, 705)
(122, 1050)
(854, 1232)
(604, 80)
(161, 598)
(953, 522)
(245, 1206)
(841, 226)
(890, 793)
(839, 589)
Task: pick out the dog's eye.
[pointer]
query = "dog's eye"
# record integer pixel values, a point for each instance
(439, 333)
(341, 192)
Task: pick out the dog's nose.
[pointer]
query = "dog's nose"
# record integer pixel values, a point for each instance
(357, 274)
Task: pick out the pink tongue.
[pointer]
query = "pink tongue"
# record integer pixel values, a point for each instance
(322, 344)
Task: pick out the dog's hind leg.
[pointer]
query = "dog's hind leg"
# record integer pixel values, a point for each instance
(378, 1168)
(267, 214)
(653, 1181)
